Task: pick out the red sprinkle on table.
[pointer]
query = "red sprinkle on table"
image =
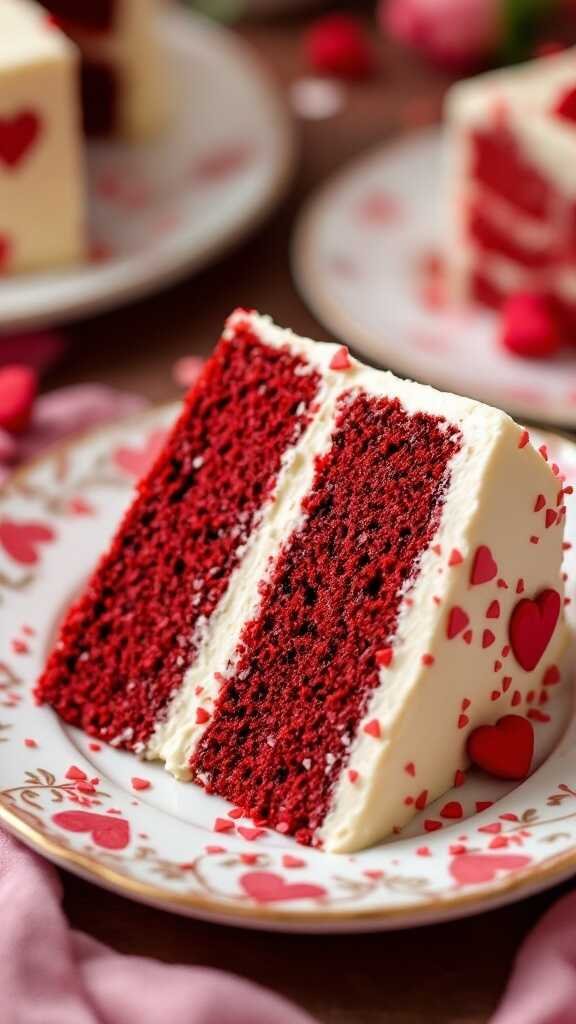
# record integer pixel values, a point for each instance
(95, 747)
(423, 851)
(236, 813)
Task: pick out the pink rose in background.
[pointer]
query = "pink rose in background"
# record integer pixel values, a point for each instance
(457, 34)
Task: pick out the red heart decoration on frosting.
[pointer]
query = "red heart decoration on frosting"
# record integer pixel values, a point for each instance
(110, 833)
(532, 624)
(504, 750)
(474, 868)
(266, 887)
(17, 136)
(21, 540)
(484, 567)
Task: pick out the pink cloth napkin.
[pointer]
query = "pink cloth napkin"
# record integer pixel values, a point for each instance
(542, 989)
(52, 975)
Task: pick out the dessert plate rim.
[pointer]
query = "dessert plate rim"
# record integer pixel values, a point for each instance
(173, 245)
(148, 845)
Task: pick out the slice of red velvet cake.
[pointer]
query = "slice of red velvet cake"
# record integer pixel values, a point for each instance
(327, 581)
(512, 183)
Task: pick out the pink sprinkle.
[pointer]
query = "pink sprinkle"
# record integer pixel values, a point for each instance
(140, 783)
(463, 721)
(202, 716)
(488, 638)
(76, 774)
(30, 743)
(428, 660)
(223, 825)
(524, 439)
(209, 849)
(423, 851)
(95, 747)
(283, 827)
(236, 813)
(543, 452)
(455, 558)
(410, 768)
(372, 728)
(20, 646)
(353, 775)
(341, 359)
(250, 834)
(289, 861)
(431, 825)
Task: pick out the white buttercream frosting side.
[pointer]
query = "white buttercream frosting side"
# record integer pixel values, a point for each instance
(426, 710)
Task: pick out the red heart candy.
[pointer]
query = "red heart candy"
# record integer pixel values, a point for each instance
(266, 887)
(504, 750)
(21, 540)
(17, 136)
(18, 389)
(484, 567)
(110, 833)
(532, 624)
(137, 461)
(475, 868)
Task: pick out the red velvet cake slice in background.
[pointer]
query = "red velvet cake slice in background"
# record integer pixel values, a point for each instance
(511, 190)
(322, 583)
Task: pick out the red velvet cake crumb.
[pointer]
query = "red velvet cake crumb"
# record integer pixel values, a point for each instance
(125, 646)
(307, 663)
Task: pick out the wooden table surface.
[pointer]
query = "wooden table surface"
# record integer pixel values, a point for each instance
(450, 974)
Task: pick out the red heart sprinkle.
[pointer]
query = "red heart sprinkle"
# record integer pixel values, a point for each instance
(457, 621)
(531, 627)
(484, 568)
(453, 809)
(503, 750)
(529, 326)
(337, 44)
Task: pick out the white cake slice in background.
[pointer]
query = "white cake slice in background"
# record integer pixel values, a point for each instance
(42, 213)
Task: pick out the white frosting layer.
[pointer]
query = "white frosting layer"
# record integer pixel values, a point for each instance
(41, 192)
(490, 501)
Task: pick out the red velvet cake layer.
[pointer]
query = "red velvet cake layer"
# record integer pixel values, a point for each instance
(498, 164)
(281, 731)
(490, 237)
(125, 646)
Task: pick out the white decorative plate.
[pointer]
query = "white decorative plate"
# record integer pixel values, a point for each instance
(75, 802)
(166, 209)
(363, 254)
